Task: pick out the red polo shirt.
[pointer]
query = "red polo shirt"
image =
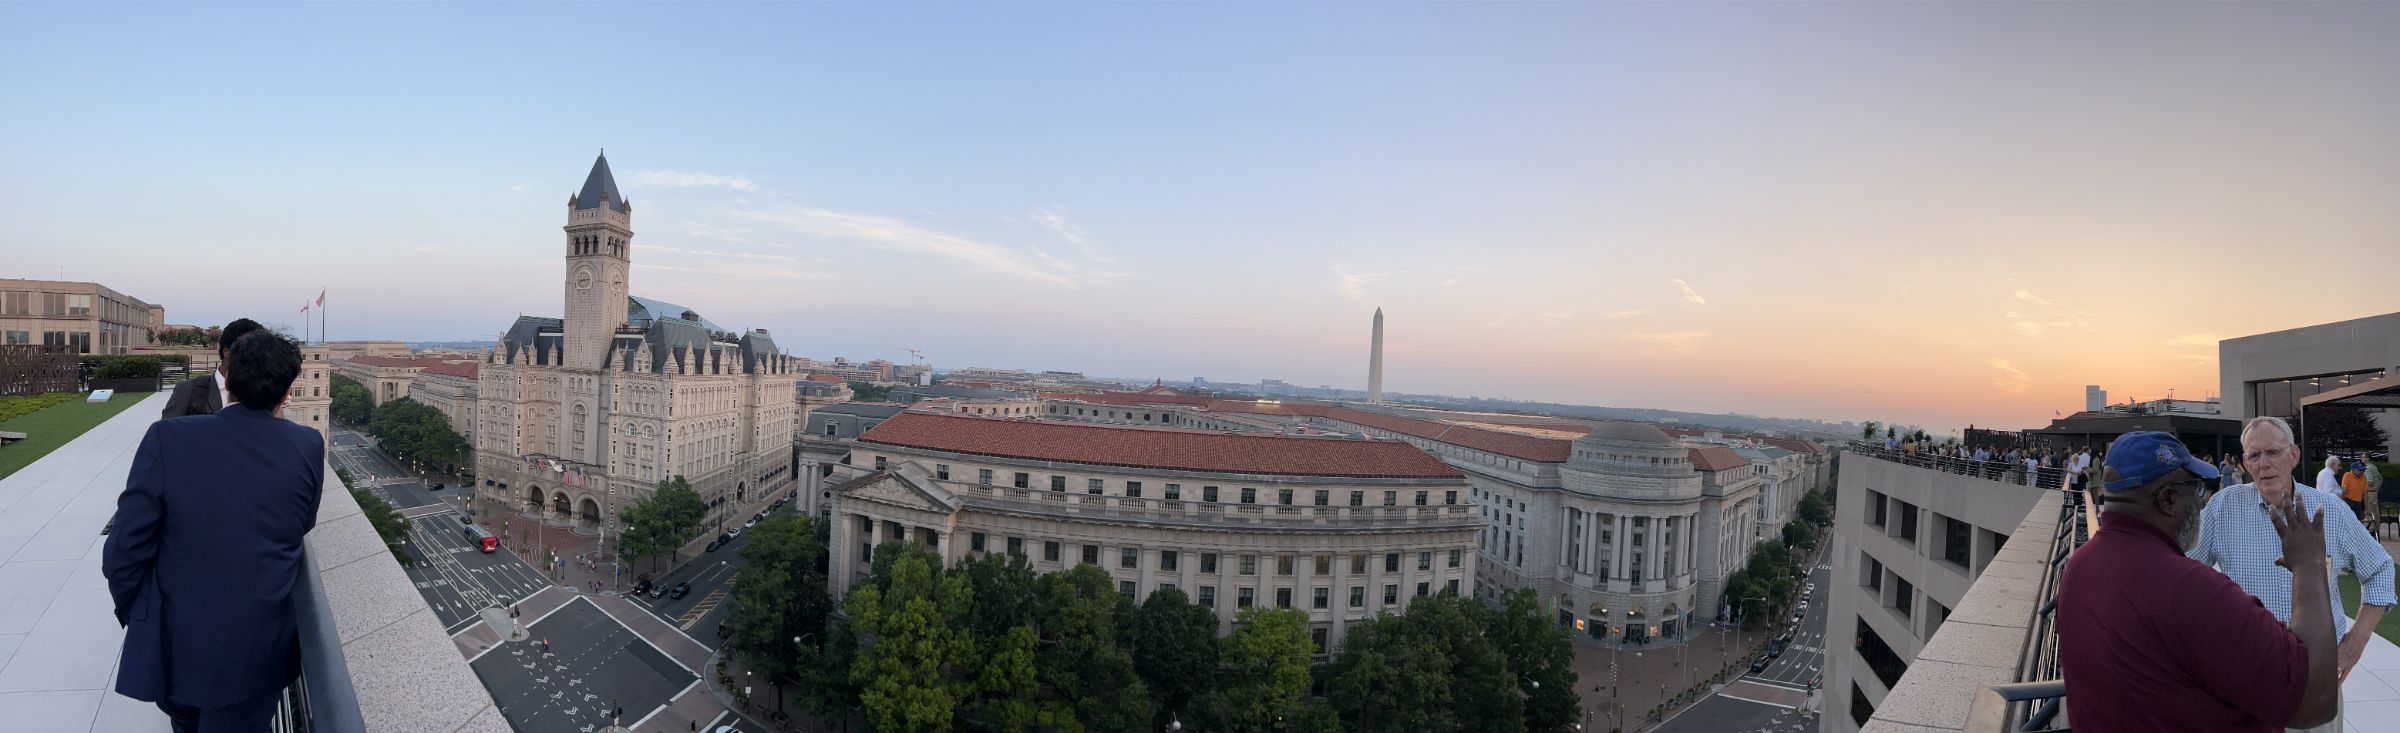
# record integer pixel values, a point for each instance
(2153, 641)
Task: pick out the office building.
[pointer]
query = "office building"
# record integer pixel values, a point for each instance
(93, 318)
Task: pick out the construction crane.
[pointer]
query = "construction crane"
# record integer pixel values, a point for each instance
(916, 358)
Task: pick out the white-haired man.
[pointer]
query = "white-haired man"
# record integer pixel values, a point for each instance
(2238, 538)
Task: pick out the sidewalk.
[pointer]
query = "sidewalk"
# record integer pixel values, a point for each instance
(1648, 677)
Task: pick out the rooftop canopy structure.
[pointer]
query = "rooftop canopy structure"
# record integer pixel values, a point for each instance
(2213, 436)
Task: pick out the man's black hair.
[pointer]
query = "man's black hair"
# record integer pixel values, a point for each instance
(261, 368)
(234, 332)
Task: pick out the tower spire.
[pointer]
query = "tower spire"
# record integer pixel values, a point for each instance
(1375, 361)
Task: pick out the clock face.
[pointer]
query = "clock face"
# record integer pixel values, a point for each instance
(583, 278)
(616, 277)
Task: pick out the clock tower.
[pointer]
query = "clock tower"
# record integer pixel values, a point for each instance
(599, 249)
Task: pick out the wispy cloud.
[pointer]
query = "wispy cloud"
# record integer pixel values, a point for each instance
(2038, 325)
(2195, 339)
(2028, 296)
(1619, 315)
(706, 253)
(1690, 294)
(1054, 218)
(680, 179)
(752, 272)
(968, 254)
(2013, 380)
(1673, 342)
(520, 188)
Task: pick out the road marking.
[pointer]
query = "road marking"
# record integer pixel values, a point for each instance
(702, 608)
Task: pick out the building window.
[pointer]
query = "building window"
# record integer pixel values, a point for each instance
(1283, 598)
(1249, 564)
(1024, 480)
(1887, 665)
(1129, 557)
(1208, 596)
(1454, 554)
(1358, 498)
(1421, 497)
(1358, 564)
(1091, 486)
(1208, 562)
(1208, 493)
(1391, 562)
(941, 471)
(1283, 496)
(1174, 492)
(1316, 637)
(1016, 546)
(1321, 598)
(1283, 565)
(1058, 483)
(1245, 597)
(1391, 594)
(975, 541)
(879, 463)
(1324, 564)
(1449, 497)
(1091, 554)
(1166, 560)
(1391, 498)
(1358, 596)
(1125, 587)
(1249, 495)
(1050, 552)
(1424, 561)
(1453, 586)
(1424, 589)
(1133, 489)
(983, 476)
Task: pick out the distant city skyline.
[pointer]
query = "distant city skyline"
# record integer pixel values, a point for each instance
(1930, 214)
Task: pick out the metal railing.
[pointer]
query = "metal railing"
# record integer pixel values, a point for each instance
(321, 700)
(2041, 477)
(2035, 701)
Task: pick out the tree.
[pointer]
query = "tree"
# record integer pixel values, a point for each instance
(1814, 509)
(352, 403)
(1174, 647)
(1080, 665)
(663, 522)
(1430, 669)
(387, 521)
(869, 392)
(1263, 678)
(905, 618)
(1537, 651)
(1891, 433)
(2346, 431)
(414, 431)
(779, 601)
(1800, 534)
(1869, 432)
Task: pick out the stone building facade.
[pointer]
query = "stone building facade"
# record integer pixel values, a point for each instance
(91, 317)
(1342, 529)
(311, 401)
(386, 378)
(577, 417)
(450, 388)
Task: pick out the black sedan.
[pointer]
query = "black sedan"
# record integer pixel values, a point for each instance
(681, 590)
(1760, 665)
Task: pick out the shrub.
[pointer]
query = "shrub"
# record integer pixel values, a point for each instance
(125, 367)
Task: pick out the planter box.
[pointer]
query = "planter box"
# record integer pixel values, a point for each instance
(141, 384)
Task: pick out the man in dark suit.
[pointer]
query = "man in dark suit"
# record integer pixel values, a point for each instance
(204, 396)
(206, 549)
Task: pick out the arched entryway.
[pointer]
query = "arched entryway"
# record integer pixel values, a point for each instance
(1637, 625)
(587, 514)
(533, 499)
(1666, 624)
(558, 504)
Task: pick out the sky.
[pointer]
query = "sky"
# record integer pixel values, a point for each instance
(1940, 214)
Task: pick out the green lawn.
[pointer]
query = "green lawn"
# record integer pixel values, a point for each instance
(51, 427)
(2389, 629)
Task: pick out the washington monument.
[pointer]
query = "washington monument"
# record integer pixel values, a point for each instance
(1375, 362)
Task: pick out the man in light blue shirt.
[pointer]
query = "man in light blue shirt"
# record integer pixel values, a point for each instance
(2239, 540)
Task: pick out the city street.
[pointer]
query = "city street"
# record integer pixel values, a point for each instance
(1765, 701)
(593, 664)
(700, 612)
(458, 579)
(370, 469)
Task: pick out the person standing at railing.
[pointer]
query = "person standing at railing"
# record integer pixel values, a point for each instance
(206, 550)
(2238, 537)
(2151, 641)
(201, 397)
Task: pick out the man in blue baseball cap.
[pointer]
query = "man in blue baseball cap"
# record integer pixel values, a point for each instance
(2151, 640)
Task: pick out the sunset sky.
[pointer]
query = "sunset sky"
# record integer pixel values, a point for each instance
(1930, 213)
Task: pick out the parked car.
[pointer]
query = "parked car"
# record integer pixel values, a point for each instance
(1760, 665)
(732, 533)
(753, 521)
(681, 590)
(436, 485)
(658, 591)
(714, 544)
(1775, 648)
(641, 587)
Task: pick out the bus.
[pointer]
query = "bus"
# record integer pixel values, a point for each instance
(481, 539)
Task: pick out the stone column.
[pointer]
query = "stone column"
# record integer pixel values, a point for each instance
(1618, 556)
(1566, 553)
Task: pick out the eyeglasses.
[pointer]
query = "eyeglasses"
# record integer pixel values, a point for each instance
(2266, 453)
(2199, 488)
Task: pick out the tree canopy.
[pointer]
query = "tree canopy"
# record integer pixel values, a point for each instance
(352, 403)
(412, 430)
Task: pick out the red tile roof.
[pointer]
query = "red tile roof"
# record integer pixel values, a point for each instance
(1107, 445)
(458, 369)
(1715, 458)
(392, 361)
(1131, 398)
(826, 378)
(1794, 445)
(1305, 409)
(1547, 450)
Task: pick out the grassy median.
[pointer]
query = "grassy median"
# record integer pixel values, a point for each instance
(46, 427)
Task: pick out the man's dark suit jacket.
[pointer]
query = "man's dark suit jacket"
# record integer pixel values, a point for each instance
(205, 552)
(193, 397)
